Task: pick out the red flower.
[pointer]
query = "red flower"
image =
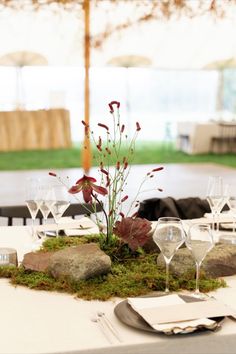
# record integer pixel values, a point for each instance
(53, 174)
(113, 103)
(103, 126)
(87, 186)
(157, 169)
(138, 128)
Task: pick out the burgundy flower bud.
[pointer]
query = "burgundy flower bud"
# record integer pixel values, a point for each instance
(125, 165)
(122, 128)
(103, 126)
(122, 214)
(118, 165)
(138, 126)
(53, 174)
(100, 141)
(157, 169)
(110, 212)
(84, 123)
(99, 147)
(124, 198)
(108, 151)
(160, 190)
(111, 105)
(104, 171)
(108, 182)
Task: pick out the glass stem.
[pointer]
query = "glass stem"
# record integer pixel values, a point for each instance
(198, 265)
(217, 221)
(33, 229)
(44, 223)
(57, 229)
(213, 220)
(167, 276)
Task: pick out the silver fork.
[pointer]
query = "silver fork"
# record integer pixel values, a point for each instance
(102, 327)
(102, 316)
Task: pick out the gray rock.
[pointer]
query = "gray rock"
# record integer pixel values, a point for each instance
(37, 261)
(219, 262)
(80, 262)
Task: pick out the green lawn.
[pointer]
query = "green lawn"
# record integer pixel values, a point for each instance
(145, 153)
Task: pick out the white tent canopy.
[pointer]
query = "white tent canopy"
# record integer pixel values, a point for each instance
(175, 44)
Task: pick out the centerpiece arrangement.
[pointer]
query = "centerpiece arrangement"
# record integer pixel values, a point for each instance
(124, 243)
(114, 167)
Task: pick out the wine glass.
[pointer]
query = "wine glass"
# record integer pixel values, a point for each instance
(199, 241)
(60, 202)
(32, 201)
(46, 201)
(217, 197)
(169, 235)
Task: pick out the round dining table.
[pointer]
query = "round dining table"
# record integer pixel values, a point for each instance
(34, 321)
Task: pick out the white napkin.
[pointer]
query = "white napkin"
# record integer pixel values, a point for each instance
(139, 304)
(84, 226)
(223, 217)
(73, 227)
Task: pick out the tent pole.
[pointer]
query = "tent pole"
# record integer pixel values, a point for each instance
(86, 152)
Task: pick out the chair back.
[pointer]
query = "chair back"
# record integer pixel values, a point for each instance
(22, 212)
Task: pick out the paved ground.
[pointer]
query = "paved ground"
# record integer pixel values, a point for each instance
(176, 180)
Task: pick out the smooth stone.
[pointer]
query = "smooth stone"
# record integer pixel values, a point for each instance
(219, 262)
(79, 262)
(37, 261)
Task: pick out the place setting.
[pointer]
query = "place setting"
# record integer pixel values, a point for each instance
(176, 313)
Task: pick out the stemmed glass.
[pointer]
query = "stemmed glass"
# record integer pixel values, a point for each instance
(60, 202)
(169, 235)
(46, 201)
(33, 201)
(217, 197)
(232, 207)
(199, 241)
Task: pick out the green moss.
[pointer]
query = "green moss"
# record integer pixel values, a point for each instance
(135, 275)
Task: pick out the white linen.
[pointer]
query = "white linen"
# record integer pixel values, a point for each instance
(140, 304)
(73, 227)
(49, 322)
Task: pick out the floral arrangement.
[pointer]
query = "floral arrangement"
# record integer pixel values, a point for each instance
(130, 230)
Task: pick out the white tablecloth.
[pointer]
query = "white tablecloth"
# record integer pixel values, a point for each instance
(43, 322)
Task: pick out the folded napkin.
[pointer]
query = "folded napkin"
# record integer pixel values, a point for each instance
(73, 227)
(171, 314)
(224, 217)
(82, 227)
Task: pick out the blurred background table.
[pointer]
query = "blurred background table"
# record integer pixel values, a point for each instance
(206, 137)
(31, 130)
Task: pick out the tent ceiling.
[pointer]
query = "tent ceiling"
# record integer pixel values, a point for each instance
(176, 44)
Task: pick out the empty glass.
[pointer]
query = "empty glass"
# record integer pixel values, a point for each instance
(199, 241)
(232, 206)
(217, 197)
(46, 200)
(59, 202)
(169, 235)
(32, 200)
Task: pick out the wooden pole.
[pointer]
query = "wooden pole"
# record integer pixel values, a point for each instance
(86, 152)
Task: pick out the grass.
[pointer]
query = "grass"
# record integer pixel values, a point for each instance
(145, 153)
(132, 276)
